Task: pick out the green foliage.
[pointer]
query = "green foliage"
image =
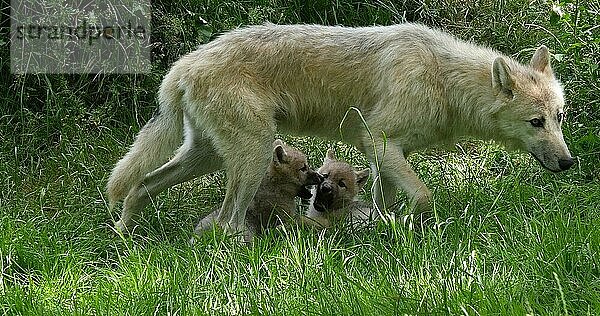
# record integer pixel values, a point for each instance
(577, 37)
(510, 239)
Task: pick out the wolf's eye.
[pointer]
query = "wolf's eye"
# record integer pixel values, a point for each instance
(304, 168)
(342, 184)
(325, 175)
(536, 122)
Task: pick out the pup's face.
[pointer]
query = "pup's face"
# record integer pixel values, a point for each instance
(341, 183)
(531, 110)
(291, 164)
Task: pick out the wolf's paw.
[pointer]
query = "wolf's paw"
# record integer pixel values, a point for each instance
(419, 222)
(241, 233)
(206, 225)
(121, 227)
(194, 239)
(210, 226)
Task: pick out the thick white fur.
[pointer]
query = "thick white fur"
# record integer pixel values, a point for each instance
(417, 85)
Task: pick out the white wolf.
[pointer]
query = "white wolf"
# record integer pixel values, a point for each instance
(415, 87)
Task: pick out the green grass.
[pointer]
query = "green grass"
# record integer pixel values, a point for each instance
(511, 239)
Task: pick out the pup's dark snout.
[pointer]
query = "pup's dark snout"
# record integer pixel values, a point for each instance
(314, 178)
(325, 188)
(319, 178)
(565, 164)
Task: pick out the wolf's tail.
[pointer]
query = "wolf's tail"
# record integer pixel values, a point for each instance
(153, 145)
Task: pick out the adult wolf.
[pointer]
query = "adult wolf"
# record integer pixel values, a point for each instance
(416, 85)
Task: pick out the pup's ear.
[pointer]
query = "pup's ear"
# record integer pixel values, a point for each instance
(502, 79)
(330, 156)
(277, 142)
(279, 155)
(541, 61)
(362, 177)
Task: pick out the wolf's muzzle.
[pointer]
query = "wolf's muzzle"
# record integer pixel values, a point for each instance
(563, 164)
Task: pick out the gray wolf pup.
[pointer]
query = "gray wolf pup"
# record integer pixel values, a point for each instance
(273, 204)
(415, 87)
(335, 198)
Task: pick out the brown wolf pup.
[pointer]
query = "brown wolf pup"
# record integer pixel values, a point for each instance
(415, 87)
(273, 204)
(335, 198)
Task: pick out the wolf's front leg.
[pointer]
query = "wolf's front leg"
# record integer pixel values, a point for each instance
(245, 167)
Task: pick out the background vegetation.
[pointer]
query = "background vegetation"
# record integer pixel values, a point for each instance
(511, 239)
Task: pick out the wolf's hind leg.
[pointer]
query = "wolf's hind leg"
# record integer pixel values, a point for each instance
(193, 159)
(396, 172)
(246, 151)
(244, 173)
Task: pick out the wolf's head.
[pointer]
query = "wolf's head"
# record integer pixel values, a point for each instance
(531, 109)
(290, 167)
(341, 183)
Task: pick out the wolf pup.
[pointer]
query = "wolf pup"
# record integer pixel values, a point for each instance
(414, 86)
(273, 204)
(335, 198)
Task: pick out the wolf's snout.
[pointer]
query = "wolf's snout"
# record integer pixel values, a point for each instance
(565, 164)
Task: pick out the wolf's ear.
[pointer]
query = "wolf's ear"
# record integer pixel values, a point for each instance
(362, 177)
(279, 154)
(330, 156)
(541, 61)
(502, 79)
